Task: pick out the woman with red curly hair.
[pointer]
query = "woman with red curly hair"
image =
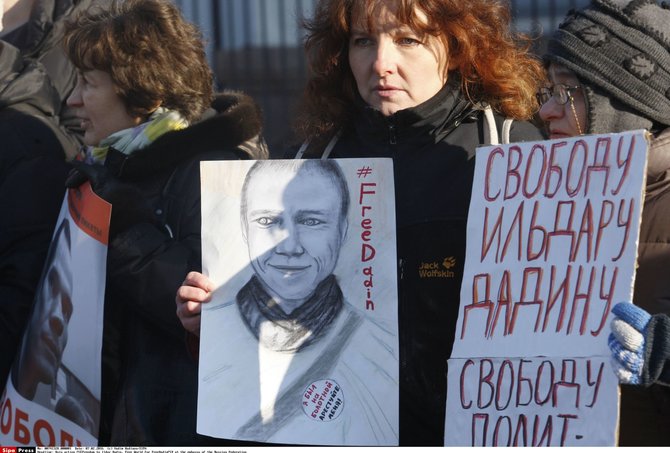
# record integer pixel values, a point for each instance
(412, 80)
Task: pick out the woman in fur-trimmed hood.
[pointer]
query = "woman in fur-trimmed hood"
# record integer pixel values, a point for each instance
(142, 96)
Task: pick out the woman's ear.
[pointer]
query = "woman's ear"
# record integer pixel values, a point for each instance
(142, 114)
(151, 110)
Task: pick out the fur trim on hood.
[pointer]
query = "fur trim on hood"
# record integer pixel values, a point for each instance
(233, 120)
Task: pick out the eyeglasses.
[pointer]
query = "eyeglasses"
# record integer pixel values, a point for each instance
(560, 92)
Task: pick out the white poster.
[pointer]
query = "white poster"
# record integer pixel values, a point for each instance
(551, 248)
(52, 397)
(299, 343)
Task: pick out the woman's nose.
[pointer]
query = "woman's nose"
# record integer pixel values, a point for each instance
(74, 100)
(385, 58)
(551, 110)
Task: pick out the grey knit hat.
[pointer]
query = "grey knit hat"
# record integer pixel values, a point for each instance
(622, 49)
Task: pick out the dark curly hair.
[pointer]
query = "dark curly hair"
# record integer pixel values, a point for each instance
(495, 64)
(154, 56)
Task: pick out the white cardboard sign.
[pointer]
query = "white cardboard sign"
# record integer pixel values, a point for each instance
(299, 343)
(551, 248)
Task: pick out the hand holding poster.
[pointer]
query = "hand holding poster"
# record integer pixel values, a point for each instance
(53, 394)
(299, 343)
(552, 239)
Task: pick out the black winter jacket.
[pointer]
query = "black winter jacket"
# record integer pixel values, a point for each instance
(433, 148)
(32, 172)
(149, 379)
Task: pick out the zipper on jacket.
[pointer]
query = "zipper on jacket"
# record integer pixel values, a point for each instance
(392, 136)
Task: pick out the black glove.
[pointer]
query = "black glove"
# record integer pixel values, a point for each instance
(657, 352)
(75, 178)
(128, 204)
(640, 345)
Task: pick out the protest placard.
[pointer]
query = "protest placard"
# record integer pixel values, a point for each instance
(52, 397)
(299, 343)
(551, 247)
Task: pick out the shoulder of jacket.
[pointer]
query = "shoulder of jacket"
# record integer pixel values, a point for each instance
(231, 131)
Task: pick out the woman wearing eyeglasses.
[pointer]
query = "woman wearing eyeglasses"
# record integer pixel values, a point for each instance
(609, 71)
(566, 113)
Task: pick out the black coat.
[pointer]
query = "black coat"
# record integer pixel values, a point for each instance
(32, 172)
(433, 147)
(149, 379)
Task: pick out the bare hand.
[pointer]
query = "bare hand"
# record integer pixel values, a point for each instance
(196, 290)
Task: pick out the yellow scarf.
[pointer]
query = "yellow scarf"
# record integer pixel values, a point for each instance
(129, 140)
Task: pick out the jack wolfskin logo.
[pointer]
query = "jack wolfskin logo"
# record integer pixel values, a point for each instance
(438, 270)
(449, 262)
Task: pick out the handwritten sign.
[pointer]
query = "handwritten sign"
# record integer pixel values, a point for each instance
(367, 191)
(552, 238)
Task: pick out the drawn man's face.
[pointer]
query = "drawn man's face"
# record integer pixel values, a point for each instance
(294, 231)
(48, 336)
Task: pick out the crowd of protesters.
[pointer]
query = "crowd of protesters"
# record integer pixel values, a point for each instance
(119, 93)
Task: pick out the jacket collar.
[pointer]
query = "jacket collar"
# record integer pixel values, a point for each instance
(233, 120)
(428, 122)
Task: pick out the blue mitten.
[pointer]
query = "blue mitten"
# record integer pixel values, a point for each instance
(627, 341)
